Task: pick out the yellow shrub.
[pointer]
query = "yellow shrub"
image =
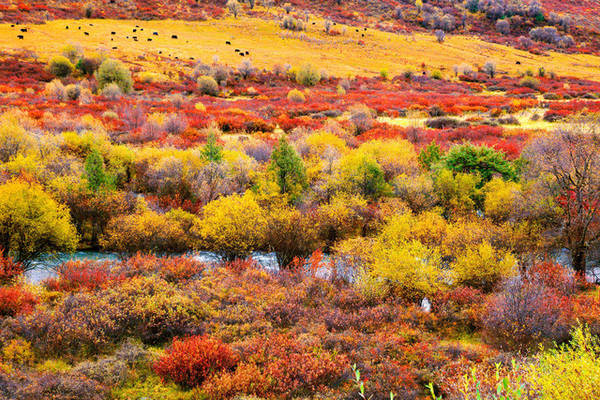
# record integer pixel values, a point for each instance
(17, 352)
(233, 226)
(483, 267)
(500, 196)
(569, 372)
(411, 269)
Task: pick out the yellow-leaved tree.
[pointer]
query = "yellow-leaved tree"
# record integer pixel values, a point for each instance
(32, 223)
(232, 226)
(484, 266)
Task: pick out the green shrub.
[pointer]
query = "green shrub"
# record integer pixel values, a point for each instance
(307, 75)
(207, 85)
(113, 71)
(60, 66)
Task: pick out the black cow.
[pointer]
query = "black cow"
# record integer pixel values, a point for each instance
(247, 53)
(237, 50)
(228, 42)
(155, 33)
(20, 37)
(67, 27)
(114, 47)
(173, 36)
(113, 33)
(518, 62)
(135, 30)
(23, 29)
(149, 39)
(242, 54)
(86, 33)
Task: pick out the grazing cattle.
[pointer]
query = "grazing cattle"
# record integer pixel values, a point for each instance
(242, 54)
(13, 25)
(135, 30)
(314, 23)
(177, 58)
(141, 29)
(79, 27)
(247, 53)
(126, 37)
(91, 24)
(237, 50)
(191, 58)
(362, 35)
(155, 33)
(160, 52)
(365, 29)
(173, 36)
(114, 47)
(356, 30)
(23, 29)
(20, 37)
(149, 39)
(86, 33)
(228, 42)
(113, 33)
(67, 27)
(518, 62)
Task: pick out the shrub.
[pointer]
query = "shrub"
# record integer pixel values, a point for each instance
(281, 366)
(483, 161)
(232, 226)
(73, 91)
(483, 267)
(440, 35)
(490, 68)
(361, 118)
(10, 270)
(32, 222)
(529, 82)
(524, 315)
(189, 362)
(114, 71)
(60, 66)
(570, 371)
(296, 96)
(88, 65)
(109, 371)
(292, 23)
(207, 85)
(112, 91)
(55, 90)
(60, 387)
(307, 75)
(145, 231)
(503, 26)
(16, 300)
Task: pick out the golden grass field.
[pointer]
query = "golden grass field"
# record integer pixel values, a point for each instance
(339, 55)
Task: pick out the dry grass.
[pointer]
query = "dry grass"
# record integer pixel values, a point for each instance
(341, 55)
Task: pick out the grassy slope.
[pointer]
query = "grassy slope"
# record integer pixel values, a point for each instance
(340, 55)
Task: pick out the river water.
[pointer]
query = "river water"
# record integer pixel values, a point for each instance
(45, 267)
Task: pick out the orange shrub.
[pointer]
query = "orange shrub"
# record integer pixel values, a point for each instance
(16, 300)
(188, 362)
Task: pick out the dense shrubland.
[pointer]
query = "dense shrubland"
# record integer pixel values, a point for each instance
(416, 220)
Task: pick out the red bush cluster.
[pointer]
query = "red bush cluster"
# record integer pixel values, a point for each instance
(16, 300)
(190, 361)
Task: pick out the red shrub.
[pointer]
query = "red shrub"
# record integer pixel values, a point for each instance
(188, 362)
(9, 269)
(15, 300)
(82, 275)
